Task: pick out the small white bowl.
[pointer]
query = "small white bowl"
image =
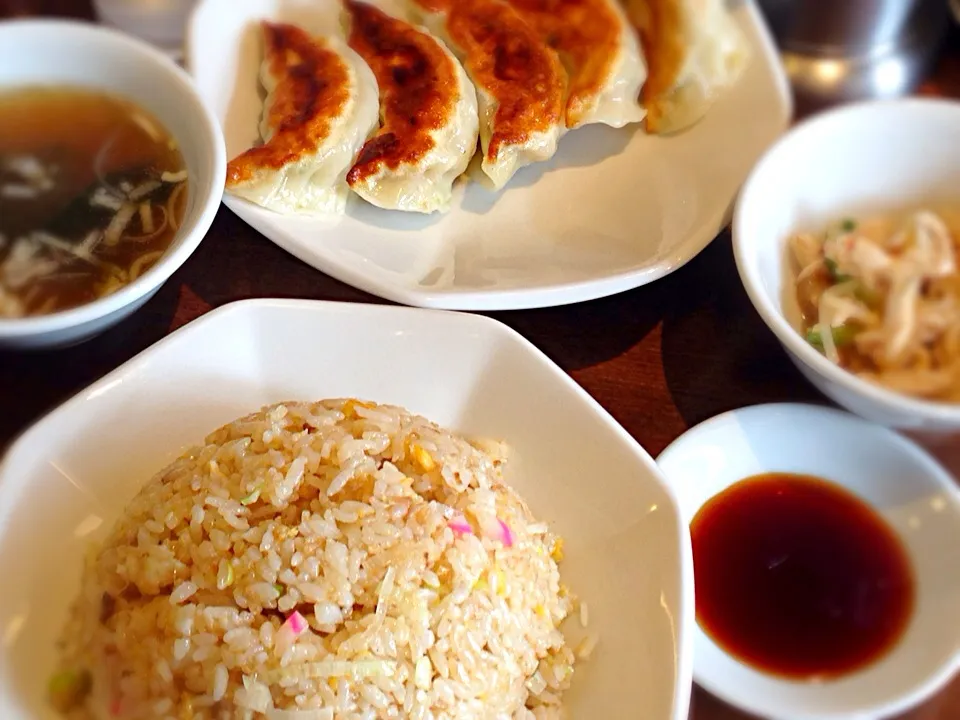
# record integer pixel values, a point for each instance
(916, 497)
(865, 157)
(51, 52)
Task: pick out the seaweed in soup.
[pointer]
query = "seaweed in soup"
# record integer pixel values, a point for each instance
(92, 193)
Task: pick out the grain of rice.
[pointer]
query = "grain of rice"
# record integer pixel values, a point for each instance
(162, 707)
(586, 647)
(163, 670)
(182, 593)
(327, 613)
(220, 679)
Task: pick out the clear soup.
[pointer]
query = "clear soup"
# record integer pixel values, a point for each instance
(92, 192)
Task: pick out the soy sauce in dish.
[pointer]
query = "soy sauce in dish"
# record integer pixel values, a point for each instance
(797, 577)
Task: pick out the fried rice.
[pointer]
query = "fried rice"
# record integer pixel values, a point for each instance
(322, 561)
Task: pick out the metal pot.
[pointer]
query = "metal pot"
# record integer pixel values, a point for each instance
(856, 49)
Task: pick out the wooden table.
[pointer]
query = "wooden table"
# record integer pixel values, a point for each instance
(660, 358)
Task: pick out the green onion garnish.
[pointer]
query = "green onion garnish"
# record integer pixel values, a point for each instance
(835, 274)
(69, 688)
(842, 335)
(252, 497)
(867, 296)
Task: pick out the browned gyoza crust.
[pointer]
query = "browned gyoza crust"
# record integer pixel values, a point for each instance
(313, 86)
(586, 34)
(509, 61)
(419, 89)
(659, 25)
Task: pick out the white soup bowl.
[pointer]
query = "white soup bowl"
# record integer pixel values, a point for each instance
(65, 53)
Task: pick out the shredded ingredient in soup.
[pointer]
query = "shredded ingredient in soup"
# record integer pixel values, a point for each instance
(92, 193)
(881, 297)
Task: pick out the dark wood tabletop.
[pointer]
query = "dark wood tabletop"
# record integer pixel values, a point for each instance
(661, 358)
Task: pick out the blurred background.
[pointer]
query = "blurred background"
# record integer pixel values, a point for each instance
(856, 49)
(832, 51)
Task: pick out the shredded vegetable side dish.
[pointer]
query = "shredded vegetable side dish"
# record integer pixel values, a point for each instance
(880, 297)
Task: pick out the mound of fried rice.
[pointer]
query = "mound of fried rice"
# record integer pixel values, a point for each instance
(322, 561)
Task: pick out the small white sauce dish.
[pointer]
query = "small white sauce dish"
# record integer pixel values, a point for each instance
(51, 52)
(914, 495)
(863, 158)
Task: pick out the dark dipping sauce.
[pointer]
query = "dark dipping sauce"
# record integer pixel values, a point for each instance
(797, 577)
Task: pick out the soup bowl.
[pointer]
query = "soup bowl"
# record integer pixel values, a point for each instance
(863, 158)
(84, 56)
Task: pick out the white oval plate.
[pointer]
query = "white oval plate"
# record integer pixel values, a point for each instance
(627, 551)
(614, 209)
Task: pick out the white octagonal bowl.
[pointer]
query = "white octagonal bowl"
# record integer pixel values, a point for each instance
(627, 549)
